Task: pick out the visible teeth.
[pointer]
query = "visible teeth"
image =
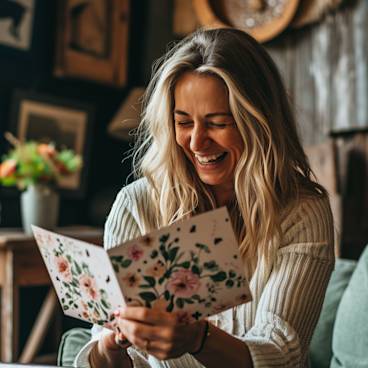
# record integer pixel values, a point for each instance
(206, 159)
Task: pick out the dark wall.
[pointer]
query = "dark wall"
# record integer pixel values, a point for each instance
(149, 32)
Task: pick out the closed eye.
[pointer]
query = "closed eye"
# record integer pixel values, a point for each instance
(183, 123)
(217, 125)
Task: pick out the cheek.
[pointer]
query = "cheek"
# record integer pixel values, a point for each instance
(180, 139)
(235, 141)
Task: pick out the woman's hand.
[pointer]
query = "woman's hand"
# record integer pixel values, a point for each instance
(158, 332)
(110, 351)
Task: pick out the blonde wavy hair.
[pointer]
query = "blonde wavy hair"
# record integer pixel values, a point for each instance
(272, 171)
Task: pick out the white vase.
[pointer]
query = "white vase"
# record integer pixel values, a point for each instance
(40, 207)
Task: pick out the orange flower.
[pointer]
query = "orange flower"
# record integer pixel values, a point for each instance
(46, 150)
(131, 279)
(7, 168)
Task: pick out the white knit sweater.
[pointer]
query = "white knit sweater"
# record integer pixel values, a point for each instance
(278, 324)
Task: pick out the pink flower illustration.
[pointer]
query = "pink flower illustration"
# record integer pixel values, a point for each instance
(88, 286)
(183, 283)
(135, 252)
(63, 268)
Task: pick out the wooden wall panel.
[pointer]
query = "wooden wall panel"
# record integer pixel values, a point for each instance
(324, 67)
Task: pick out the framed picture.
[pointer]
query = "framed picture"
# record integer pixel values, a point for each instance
(65, 123)
(92, 40)
(16, 23)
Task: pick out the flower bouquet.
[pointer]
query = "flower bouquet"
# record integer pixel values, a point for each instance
(36, 168)
(32, 163)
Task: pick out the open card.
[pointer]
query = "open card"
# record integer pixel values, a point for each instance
(192, 268)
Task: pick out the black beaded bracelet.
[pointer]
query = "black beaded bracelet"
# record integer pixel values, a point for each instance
(205, 335)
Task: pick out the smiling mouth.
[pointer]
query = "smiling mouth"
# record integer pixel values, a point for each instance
(211, 159)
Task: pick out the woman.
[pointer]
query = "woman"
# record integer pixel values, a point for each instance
(218, 130)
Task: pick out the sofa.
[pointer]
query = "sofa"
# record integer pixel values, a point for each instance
(340, 339)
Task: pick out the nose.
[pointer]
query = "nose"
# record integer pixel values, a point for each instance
(199, 138)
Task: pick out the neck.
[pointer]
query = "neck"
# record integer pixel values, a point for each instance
(223, 196)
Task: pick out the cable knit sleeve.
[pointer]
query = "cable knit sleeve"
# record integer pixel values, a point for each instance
(291, 300)
(119, 228)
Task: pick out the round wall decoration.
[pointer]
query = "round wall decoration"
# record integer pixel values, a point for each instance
(263, 19)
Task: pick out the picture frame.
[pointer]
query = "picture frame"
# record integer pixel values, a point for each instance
(17, 19)
(68, 124)
(86, 51)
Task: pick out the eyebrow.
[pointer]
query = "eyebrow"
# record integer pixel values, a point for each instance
(209, 115)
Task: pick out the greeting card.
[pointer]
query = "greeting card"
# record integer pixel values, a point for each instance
(192, 268)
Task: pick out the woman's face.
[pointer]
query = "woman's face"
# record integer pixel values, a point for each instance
(205, 128)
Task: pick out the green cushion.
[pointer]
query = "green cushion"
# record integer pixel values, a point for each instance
(321, 344)
(71, 343)
(350, 335)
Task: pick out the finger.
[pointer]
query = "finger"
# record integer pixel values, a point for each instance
(147, 315)
(134, 330)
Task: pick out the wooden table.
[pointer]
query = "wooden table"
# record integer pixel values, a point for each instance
(21, 265)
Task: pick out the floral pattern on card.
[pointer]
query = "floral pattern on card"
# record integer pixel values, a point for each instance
(157, 271)
(181, 278)
(80, 287)
(83, 290)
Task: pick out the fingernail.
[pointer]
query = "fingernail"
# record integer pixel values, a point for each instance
(117, 313)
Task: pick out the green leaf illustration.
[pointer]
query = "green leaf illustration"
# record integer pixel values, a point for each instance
(151, 280)
(126, 263)
(148, 296)
(219, 276)
(184, 264)
(232, 274)
(196, 270)
(167, 295)
(179, 303)
(212, 265)
(105, 304)
(203, 247)
(165, 254)
(77, 267)
(170, 307)
(229, 283)
(154, 254)
(172, 253)
(164, 238)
